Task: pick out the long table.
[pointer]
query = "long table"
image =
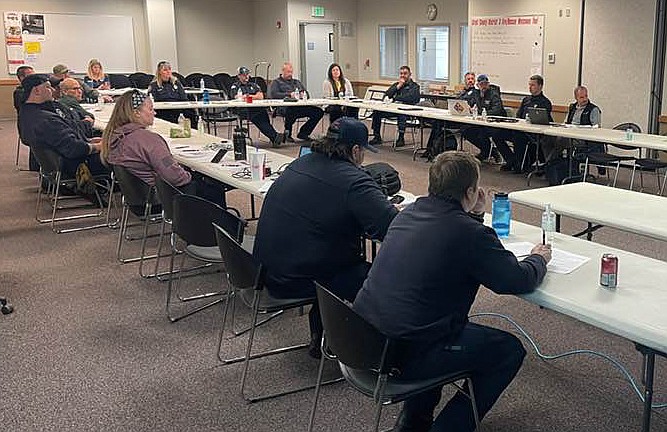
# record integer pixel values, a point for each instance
(626, 210)
(602, 135)
(635, 310)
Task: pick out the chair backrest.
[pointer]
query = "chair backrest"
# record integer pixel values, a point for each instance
(141, 80)
(261, 82)
(625, 126)
(193, 218)
(135, 191)
(48, 160)
(166, 192)
(179, 77)
(119, 81)
(243, 271)
(352, 339)
(192, 80)
(224, 81)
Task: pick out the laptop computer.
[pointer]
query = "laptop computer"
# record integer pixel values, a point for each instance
(458, 107)
(304, 150)
(538, 116)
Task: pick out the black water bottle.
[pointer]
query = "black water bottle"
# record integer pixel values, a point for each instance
(239, 143)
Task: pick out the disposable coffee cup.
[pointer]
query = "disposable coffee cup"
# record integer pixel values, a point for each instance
(257, 159)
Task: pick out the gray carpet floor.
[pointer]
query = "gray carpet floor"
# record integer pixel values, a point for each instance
(89, 347)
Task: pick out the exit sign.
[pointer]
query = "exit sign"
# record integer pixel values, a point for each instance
(317, 11)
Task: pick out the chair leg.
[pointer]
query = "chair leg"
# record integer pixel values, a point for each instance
(251, 338)
(473, 402)
(318, 386)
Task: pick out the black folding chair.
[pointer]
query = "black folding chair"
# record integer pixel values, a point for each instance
(51, 184)
(370, 361)
(192, 224)
(246, 279)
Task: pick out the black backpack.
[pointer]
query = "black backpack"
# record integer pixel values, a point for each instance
(385, 176)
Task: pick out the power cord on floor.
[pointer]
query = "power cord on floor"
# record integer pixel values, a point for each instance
(613, 361)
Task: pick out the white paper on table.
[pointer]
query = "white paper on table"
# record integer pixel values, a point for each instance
(562, 262)
(264, 188)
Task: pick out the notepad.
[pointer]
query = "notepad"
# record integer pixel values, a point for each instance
(562, 262)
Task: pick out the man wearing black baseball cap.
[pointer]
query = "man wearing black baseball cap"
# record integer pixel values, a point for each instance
(313, 219)
(243, 87)
(44, 123)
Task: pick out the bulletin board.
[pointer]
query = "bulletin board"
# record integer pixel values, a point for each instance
(43, 40)
(509, 49)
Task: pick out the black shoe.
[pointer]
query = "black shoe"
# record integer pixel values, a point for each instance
(304, 137)
(425, 155)
(400, 142)
(314, 347)
(376, 141)
(412, 425)
(279, 139)
(288, 137)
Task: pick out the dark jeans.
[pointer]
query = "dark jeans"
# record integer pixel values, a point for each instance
(401, 120)
(336, 112)
(260, 118)
(493, 358)
(313, 113)
(93, 161)
(171, 115)
(479, 137)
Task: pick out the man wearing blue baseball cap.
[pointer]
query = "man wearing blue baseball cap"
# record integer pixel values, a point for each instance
(313, 219)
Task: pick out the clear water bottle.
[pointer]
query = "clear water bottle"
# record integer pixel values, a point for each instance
(473, 111)
(181, 121)
(239, 94)
(501, 214)
(629, 134)
(206, 97)
(548, 224)
(483, 114)
(202, 86)
(341, 95)
(527, 118)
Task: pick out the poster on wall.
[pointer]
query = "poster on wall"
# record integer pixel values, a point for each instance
(24, 34)
(509, 49)
(14, 40)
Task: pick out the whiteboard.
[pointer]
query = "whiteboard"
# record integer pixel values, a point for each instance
(75, 39)
(509, 49)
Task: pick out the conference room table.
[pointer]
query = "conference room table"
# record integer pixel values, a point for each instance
(634, 310)
(122, 91)
(626, 210)
(197, 151)
(583, 133)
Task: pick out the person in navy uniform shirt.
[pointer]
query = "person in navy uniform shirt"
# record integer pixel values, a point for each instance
(165, 87)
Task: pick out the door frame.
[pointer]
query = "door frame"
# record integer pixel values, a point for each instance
(303, 70)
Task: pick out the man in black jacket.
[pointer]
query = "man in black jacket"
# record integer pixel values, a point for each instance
(487, 98)
(403, 91)
(423, 282)
(19, 99)
(313, 219)
(45, 123)
(522, 141)
(257, 116)
(286, 86)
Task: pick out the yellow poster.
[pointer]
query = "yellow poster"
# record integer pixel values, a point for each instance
(32, 47)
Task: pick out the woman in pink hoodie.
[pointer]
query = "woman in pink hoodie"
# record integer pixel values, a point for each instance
(127, 142)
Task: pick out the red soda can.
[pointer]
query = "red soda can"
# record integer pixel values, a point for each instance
(609, 271)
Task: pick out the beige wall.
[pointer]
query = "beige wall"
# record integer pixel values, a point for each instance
(133, 8)
(213, 36)
(336, 11)
(372, 13)
(269, 41)
(561, 37)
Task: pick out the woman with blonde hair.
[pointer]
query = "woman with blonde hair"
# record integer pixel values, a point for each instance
(96, 77)
(165, 87)
(127, 142)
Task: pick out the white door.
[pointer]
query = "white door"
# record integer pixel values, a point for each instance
(318, 53)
